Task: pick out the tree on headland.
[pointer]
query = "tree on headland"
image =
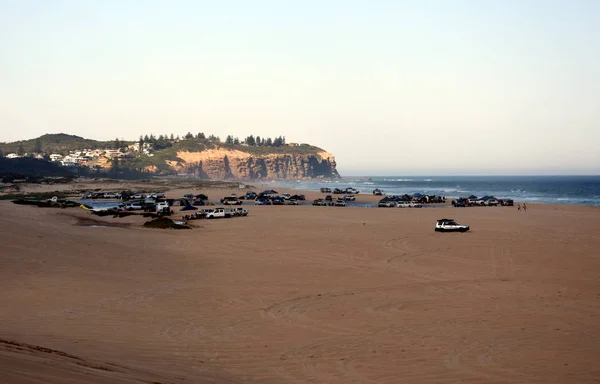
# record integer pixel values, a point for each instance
(236, 141)
(141, 144)
(172, 137)
(229, 140)
(37, 146)
(189, 136)
(20, 150)
(201, 136)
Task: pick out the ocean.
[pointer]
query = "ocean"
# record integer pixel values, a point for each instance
(576, 190)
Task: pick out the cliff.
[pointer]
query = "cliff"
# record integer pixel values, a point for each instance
(209, 158)
(221, 163)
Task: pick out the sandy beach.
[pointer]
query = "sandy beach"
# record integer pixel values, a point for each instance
(299, 294)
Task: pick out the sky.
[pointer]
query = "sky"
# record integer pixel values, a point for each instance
(389, 87)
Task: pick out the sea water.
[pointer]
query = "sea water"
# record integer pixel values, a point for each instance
(577, 190)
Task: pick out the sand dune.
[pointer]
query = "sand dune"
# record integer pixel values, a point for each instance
(302, 294)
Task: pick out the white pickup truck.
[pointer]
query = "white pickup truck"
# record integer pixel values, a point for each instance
(214, 213)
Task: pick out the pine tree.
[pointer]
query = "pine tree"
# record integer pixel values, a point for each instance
(20, 150)
(269, 142)
(189, 136)
(172, 137)
(236, 141)
(201, 136)
(229, 140)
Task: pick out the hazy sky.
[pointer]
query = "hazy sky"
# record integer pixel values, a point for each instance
(389, 87)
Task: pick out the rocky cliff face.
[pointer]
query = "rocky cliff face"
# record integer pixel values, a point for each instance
(233, 164)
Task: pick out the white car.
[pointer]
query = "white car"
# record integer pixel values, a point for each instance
(449, 225)
(409, 204)
(349, 197)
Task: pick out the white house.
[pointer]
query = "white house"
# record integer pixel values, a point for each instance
(12, 156)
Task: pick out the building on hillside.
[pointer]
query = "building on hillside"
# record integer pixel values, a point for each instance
(56, 157)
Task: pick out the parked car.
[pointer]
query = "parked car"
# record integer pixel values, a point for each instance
(133, 207)
(249, 196)
(319, 202)
(214, 213)
(292, 202)
(349, 197)
(386, 204)
(340, 203)
(459, 203)
(163, 207)
(507, 202)
(239, 211)
(449, 225)
(325, 190)
(328, 198)
(278, 200)
(492, 203)
(298, 197)
(377, 192)
(230, 200)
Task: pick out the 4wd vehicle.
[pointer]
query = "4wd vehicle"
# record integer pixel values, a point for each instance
(409, 204)
(377, 192)
(231, 200)
(249, 196)
(492, 203)
(351, 191)
(349, 197)
(163, 207)
(459, 202)
(325, 190)
(239, 211)
(216, 213)
(319, 202)
(449, 225)
(340, 203)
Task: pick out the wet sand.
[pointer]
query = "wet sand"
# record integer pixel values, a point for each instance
(294, 294)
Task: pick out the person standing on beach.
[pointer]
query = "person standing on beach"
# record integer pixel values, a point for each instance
(518, 206)
(524, 207)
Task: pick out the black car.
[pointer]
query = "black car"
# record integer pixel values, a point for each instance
(459, 203)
